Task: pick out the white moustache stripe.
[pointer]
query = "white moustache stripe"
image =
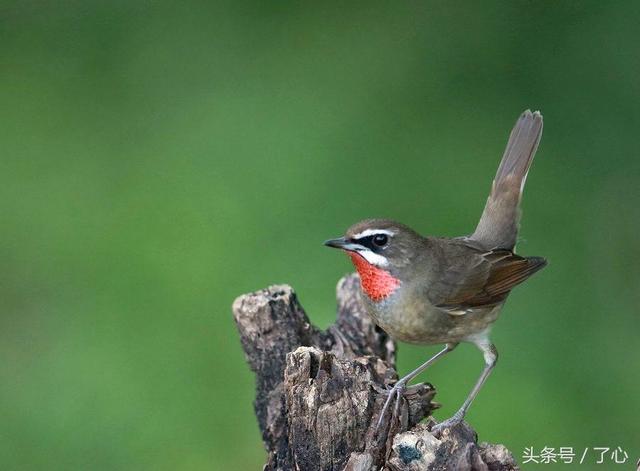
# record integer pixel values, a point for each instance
(373, 258)
(370, 232)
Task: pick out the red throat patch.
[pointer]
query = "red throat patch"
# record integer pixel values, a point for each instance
(376, 283)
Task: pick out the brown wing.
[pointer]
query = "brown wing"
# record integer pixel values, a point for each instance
(471, 278)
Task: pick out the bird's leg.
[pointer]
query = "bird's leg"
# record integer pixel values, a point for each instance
(398, 389)
(490, 359)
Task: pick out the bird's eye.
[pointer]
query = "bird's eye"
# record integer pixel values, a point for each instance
(380, 240)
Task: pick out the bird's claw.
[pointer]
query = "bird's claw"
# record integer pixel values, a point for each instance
(437, 429)
(395, 392)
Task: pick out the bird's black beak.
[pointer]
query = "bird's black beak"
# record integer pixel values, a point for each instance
(336, 243)
(342, 243)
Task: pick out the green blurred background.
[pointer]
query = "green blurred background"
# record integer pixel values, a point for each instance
(159, 159)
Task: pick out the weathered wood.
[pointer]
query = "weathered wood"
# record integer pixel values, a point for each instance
(319, 393)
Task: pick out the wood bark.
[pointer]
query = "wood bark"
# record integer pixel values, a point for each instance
(319, 393)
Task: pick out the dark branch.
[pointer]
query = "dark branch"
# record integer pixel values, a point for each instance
(319, 393)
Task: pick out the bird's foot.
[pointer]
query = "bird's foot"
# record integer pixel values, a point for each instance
(395, 393)
(437, 429)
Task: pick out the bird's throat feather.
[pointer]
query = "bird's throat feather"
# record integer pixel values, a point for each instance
(377, 283)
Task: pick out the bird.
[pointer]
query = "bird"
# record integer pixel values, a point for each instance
(437, 290)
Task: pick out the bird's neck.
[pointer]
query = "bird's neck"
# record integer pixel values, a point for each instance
(376, 283)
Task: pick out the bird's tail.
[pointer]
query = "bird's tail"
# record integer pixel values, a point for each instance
(498, 226)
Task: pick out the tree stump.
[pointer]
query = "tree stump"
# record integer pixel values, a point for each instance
(320, 393)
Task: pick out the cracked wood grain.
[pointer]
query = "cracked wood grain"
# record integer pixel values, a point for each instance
(319, 393)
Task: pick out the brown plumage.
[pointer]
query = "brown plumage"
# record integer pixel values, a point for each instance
(481, 279)
(430, 290)
(498, 225)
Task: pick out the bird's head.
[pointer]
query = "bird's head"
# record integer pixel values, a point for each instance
(380, 250)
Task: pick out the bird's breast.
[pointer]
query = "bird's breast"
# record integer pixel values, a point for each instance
(410, 318)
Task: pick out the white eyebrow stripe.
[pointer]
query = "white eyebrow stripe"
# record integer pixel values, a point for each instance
(370, 232)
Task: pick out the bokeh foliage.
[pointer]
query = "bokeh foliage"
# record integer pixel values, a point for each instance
(159, 159)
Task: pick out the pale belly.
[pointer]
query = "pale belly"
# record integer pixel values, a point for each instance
(423, 323)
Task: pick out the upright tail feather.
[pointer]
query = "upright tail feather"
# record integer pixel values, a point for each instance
(498, 226)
